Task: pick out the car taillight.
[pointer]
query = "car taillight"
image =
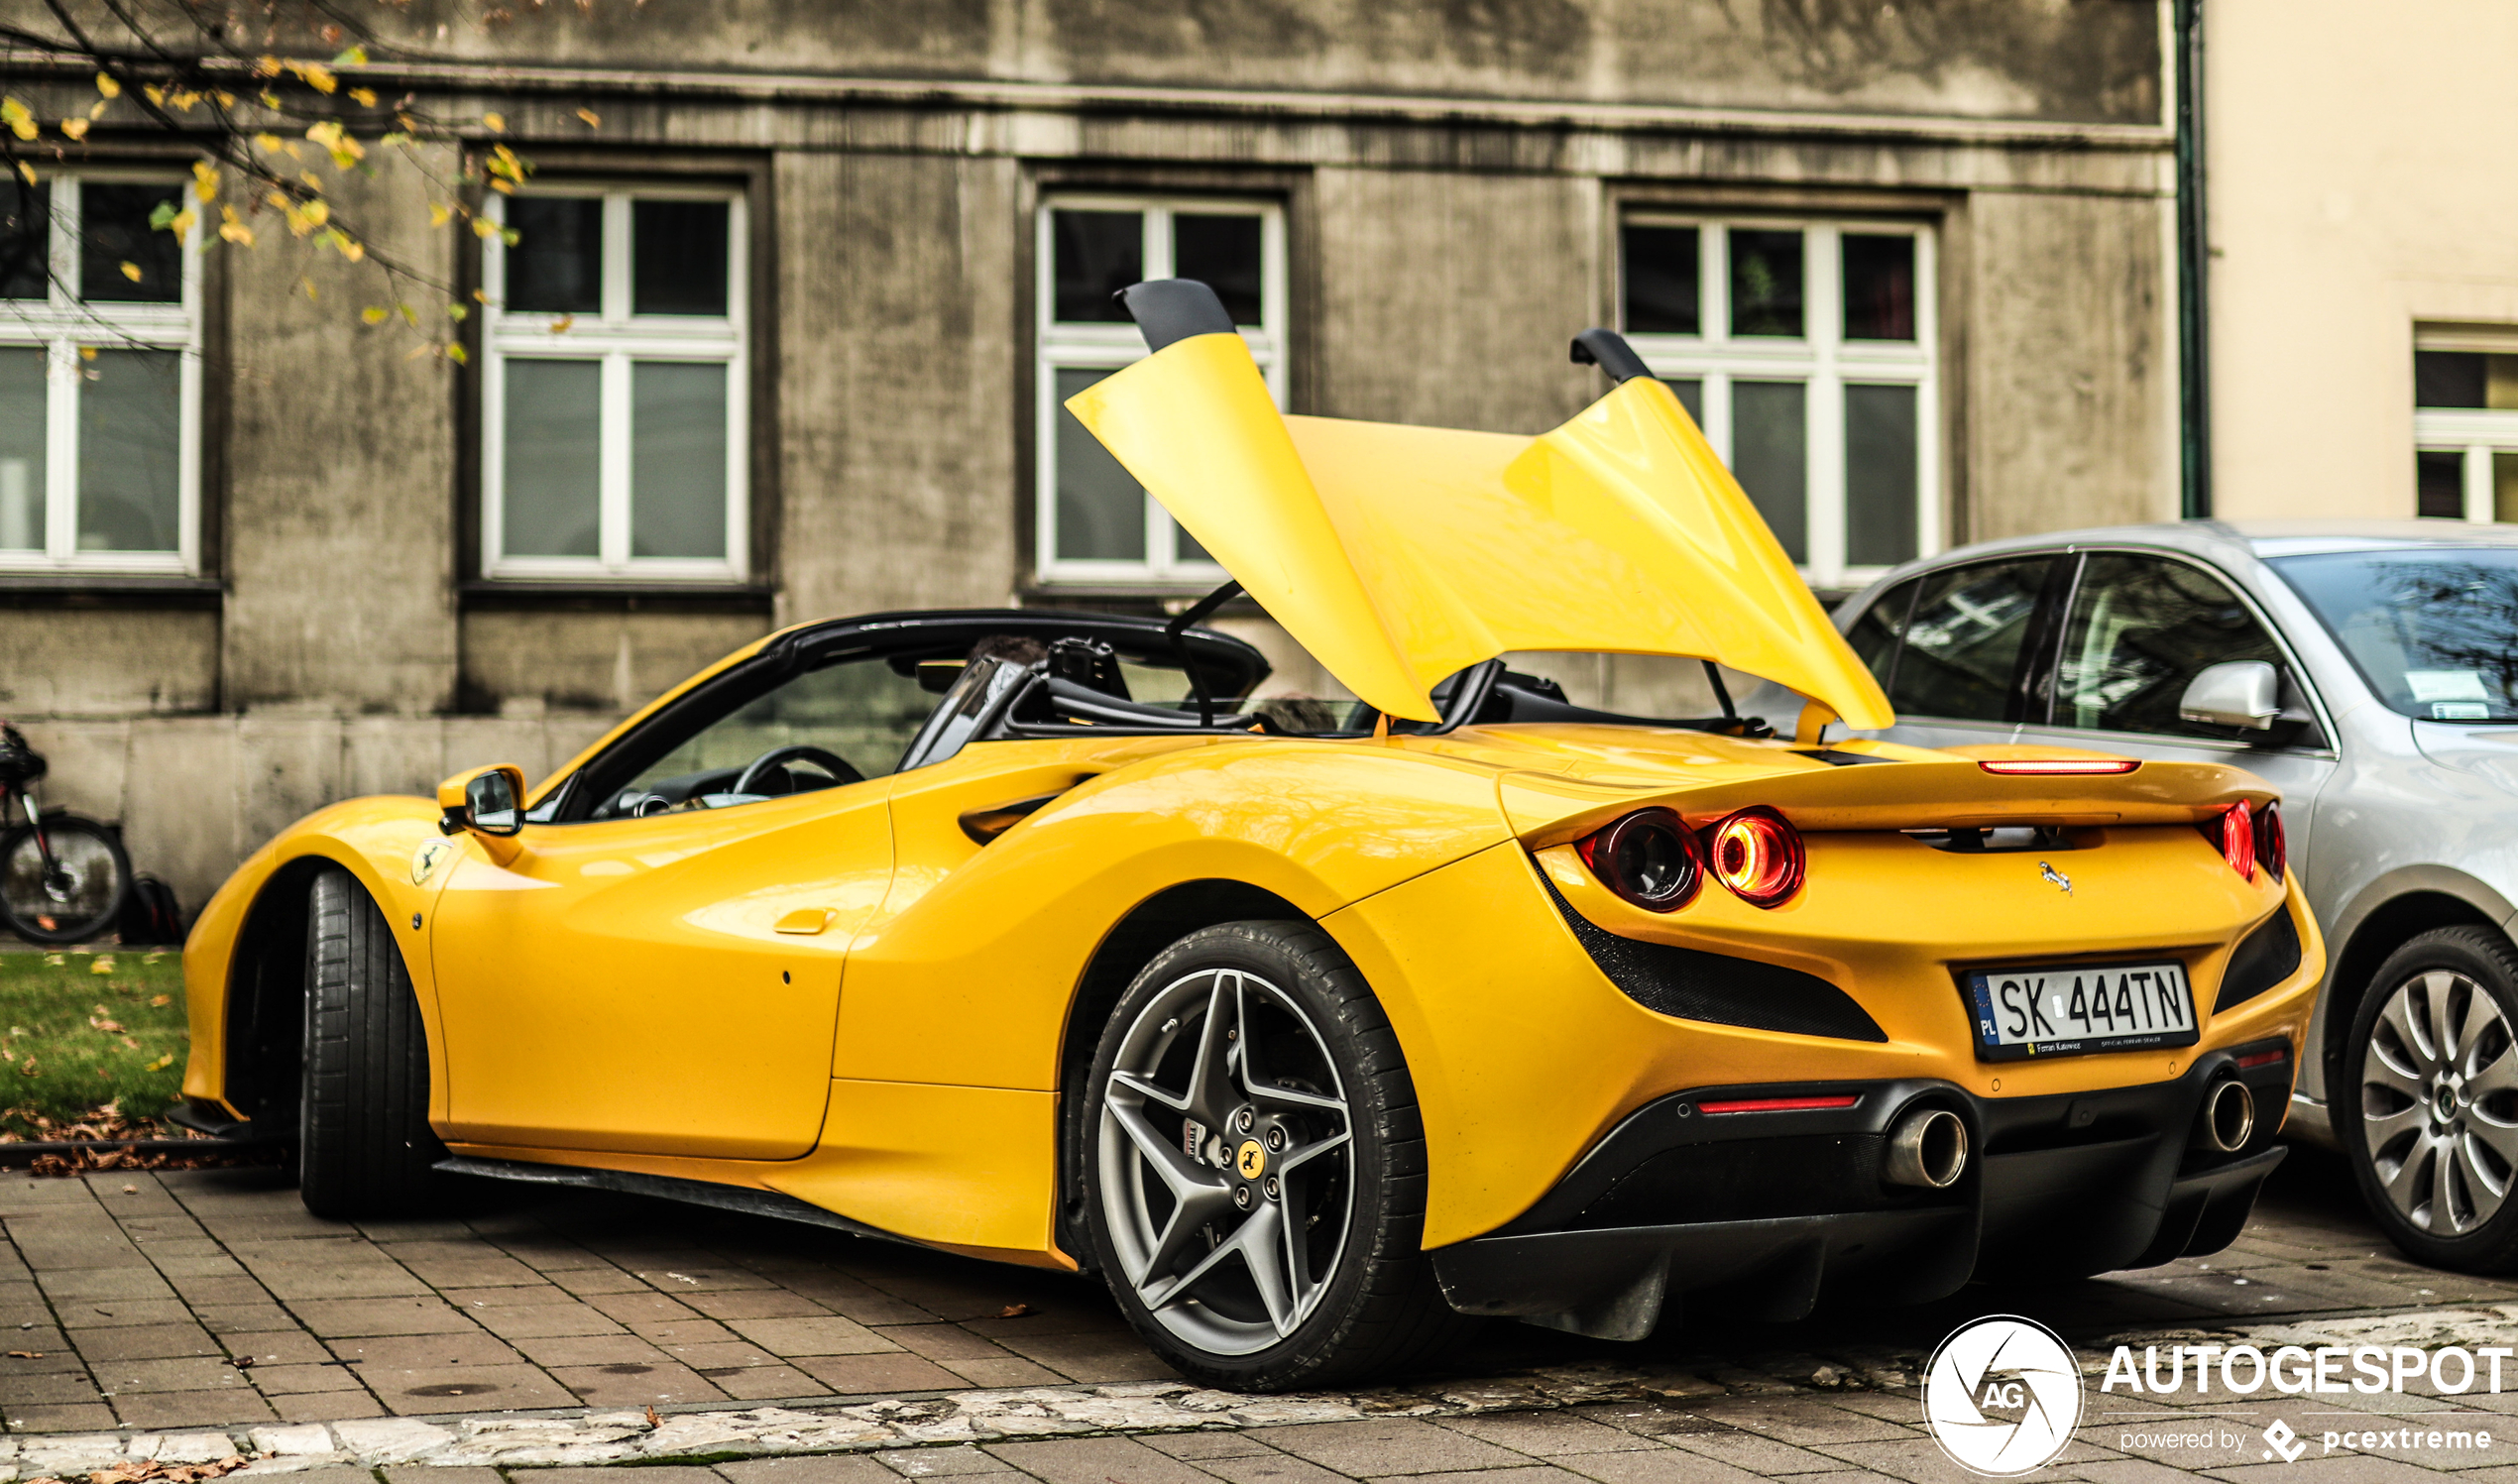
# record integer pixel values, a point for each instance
(2058, 767)
(2272, 850)
(2234, 833)
(1757, 855)
(1647, 858)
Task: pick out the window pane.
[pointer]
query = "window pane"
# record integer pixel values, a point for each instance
(130, 443)
(552, 505)
(1874, 635)
(1221, 252)
(1765, 283)
(1101, 505)
(2439, 485)
(677, 459)
(557, 264)
(1879, 287)
(677, 257)
(1691, 395)
(2141, 628)
(1879, 475)
(1963, 643)
(1660, 281)
(22, 450)
(1185, 548)
(2505, 487)
(1769, 453)
(115, 236)
(863, 710)
(1098, 253)
(2446, 379)
(25, 223)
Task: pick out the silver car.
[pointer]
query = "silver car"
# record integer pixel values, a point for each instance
(2370, 671)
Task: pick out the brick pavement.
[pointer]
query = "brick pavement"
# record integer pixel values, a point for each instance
(132, 1293)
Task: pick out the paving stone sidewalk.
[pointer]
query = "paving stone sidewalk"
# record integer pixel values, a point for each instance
(132, 1296)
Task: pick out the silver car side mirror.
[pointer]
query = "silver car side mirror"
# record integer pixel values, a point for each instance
(2235, 693)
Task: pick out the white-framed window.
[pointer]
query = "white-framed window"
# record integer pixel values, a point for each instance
(1806, 351)
(2465, 422)
(1094, 523)
(614, 388)
(100, 374)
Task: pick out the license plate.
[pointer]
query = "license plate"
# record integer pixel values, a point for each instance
(2079, 1009)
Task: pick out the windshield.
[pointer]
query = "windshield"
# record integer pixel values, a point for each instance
(2435, 632)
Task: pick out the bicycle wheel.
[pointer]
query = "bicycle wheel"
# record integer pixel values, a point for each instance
(80, 899)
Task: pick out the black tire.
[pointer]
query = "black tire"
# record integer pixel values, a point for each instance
(2388, 1133)
(364, 1145)
(100, 881)
(1378, 1310)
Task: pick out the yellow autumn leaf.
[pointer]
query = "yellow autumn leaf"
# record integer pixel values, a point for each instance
(270, 99)
(154, 94)
(439, 215)
(268, 144)
(130, 271)
(374, 314)
(365, 97)
(75, 128)
(26, 171)
(233, 229)
(482, 226)
(588, 114)
(318, 212)
(160, 1002)
(314, 183)
(267, 65)
(96, 110)
(162, 1063)
(504, 187)
(317, 75)
(14, 114)
(350, 247)
(87, 353)
(458, 354)
(204, 180)
(107, 85)
(308, 286)
(411, 316)
(496, 123)
(225, 99)
(353, 57)
(180, 224)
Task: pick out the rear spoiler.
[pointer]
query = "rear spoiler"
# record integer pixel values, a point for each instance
(1947, 792)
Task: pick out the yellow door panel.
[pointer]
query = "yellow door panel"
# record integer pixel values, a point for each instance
(626, 984)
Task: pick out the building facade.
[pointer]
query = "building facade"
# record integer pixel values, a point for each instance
(2364, 271)
(796, 292)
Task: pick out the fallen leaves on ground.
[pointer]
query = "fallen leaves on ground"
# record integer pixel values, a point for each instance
(1014, 1311)
(148, 1471)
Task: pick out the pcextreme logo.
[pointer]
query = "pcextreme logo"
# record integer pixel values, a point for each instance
(2002, 1396)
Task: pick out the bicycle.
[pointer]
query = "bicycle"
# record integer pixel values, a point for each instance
(63, 878)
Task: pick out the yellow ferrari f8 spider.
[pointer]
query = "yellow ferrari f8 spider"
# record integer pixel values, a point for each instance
(1314, 1025)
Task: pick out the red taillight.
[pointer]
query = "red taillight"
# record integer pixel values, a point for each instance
(1647, 858)
(2238, 839)
(2063, 767)
(1757, 855)
(1775, 1104)
(2272, 850)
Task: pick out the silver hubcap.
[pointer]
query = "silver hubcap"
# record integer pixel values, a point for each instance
(2439, 1102)
(1227, 1161)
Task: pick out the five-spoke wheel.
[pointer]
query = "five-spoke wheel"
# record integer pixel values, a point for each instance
(2430, 1121)
(1254, 1168)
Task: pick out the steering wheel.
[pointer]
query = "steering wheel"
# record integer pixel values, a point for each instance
(822, 757)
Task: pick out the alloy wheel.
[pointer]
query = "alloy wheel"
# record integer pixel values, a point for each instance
(1227, 1162)
(2439, 1102)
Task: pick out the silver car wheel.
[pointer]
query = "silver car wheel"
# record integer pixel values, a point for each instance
(2439, 1102)
(1227, 1161)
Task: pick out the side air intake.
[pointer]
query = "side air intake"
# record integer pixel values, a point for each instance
(1691, 984)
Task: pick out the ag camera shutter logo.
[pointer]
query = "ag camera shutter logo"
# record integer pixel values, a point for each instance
(2002, 1396)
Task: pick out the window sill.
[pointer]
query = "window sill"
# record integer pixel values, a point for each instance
(495, 594)
(110, 589)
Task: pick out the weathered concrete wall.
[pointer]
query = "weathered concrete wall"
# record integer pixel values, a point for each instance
(2070, 363)
(341, 456)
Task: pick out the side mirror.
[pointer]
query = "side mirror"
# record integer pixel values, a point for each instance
(486, 801)
(2246, 693)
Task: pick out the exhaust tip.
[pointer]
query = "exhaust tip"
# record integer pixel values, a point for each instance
(2229, 1118)
(1927, 1149)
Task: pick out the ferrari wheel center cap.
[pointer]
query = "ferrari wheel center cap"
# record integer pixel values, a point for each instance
(1251, 1158)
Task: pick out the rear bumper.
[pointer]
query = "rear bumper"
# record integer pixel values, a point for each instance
(1790, 1206)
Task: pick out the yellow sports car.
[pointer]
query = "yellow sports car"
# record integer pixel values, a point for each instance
(1314, 1025)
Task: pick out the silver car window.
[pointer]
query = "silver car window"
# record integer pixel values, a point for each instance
(1963, 646)
(2142, 627)
(2435, 632)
